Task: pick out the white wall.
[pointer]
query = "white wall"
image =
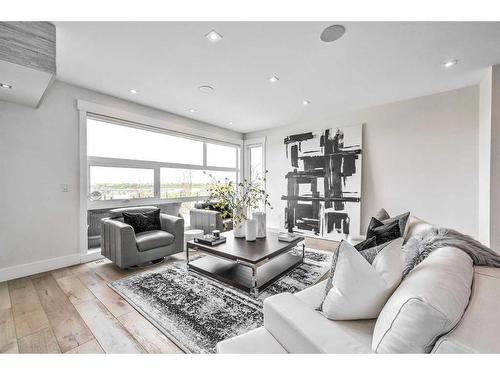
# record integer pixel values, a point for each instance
(484, 162)
(495, 160)
(38, 153)
(419, 155)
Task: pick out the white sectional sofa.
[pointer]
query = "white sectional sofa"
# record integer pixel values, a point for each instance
(445, 305)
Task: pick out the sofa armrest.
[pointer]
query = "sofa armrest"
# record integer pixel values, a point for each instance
(301, 329)
(207, 220)
(174, 225)
(117, 238)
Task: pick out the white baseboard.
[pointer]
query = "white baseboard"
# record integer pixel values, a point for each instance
(27, 269)
(91, 256)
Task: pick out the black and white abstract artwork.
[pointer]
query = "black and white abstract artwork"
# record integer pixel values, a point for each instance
(323, 186)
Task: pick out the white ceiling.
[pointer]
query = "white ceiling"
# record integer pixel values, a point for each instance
(373, 63)
(28, 85)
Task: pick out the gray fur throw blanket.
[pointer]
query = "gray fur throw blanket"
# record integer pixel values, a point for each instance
(422, 244)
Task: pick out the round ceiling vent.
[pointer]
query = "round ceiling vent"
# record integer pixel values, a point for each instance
(332, 33)
(206, 89)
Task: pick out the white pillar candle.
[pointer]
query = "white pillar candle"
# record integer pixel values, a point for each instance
(251, 229)
(260, 217)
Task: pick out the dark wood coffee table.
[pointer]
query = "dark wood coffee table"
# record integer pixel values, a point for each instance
(248, 265)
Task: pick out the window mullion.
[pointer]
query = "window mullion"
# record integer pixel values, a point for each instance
(204, 154)
(157, 184)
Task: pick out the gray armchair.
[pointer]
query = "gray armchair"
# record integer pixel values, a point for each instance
(204, 216)
(122, 246)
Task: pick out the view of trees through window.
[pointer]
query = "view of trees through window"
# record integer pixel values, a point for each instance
(178, 183)
(121, 183)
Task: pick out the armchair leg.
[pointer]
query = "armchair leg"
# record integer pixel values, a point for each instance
(159, 260)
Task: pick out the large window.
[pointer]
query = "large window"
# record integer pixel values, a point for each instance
(128, 162)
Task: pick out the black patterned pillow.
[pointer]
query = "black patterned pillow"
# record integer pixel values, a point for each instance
(383, 217)
(384, 232)
(143, 222)
(369, 242)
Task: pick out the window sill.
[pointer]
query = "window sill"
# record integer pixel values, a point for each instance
(98, 205)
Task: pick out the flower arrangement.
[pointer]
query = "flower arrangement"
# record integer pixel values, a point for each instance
(234, 199)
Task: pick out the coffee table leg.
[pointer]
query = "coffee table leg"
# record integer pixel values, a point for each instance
(187, 255)
(255, 291)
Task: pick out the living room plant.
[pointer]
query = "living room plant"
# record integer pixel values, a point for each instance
(237, 199)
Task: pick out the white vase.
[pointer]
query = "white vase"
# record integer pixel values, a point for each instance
(239, 228)
(251, 229)
(260, 217)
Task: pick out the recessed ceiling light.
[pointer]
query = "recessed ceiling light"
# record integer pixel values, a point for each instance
(450, 63)
(192, 110)
(213, 36)
(206, 89)
(332, 33)
(273, 79)
(5, 86)
(133, 91)
(306, 102)
(230, 123)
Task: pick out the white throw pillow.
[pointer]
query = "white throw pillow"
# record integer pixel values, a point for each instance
(358, 289)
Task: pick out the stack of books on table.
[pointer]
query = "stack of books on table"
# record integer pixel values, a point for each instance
(210, 240)
(287, 236)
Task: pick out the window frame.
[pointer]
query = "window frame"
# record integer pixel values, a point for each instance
(155, 165)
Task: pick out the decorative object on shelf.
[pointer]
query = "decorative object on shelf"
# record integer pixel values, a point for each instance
(238, 198)
(260, 218)
(328, 164)
(251, 229)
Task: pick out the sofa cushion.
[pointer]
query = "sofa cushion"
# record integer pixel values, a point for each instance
(358, 288)
(428, 303)
(314, 295)
(301, 329)
(257, 341)
(153, 239)
(478, 331)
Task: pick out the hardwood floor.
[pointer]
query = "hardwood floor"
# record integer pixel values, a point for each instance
(321, 244)
(72, 310)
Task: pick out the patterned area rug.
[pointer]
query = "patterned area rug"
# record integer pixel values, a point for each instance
(196, 312)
